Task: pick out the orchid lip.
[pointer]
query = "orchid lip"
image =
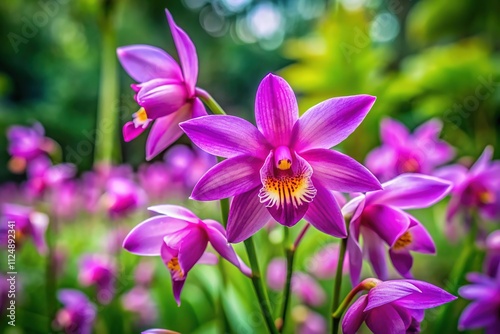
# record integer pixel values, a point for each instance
(140, 118)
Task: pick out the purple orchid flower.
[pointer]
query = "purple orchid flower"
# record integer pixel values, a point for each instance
(394, 306)
(43, 176)
(99, 271)
(139, 301)
(474, 189)
(402, 152)
(379, 217)
(122, 197)
(28, 142)
(323, 264)
(180, 238)
(284, 168)
(166, 93)
(484, 311)
(492, 260)
(27, 223)
(308, 322)
(78, 314)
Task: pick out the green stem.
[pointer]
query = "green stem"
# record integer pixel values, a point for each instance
(107, 113)
(51, 270)
(338, 286)
(209, 101)
(259, 286)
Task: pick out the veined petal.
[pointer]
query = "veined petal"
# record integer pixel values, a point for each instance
(431, 296)
(165, 131)
(192, 248)
(390, 291)
(387, 222)
(175, 211)
(160, 97)
(187, 54)
(355, 259)
(324, 213)
(228, 178)
(287, 193)
(354, 316)
(221, 135)
(393, 133)
(276, 110)
(147, 237)
(246, 216)
(330, 122)
(130, 131)
(392, 322)
(144, 63)
(337, 171)
(411, 191)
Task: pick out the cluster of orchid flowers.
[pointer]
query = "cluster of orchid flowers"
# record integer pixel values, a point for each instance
(284, 170)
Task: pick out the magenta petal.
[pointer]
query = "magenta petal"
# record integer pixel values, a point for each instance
(39, 224)
(165, 131)
(429, 130)
(374, 247)
(456, 174)
(130, 131)
(276, 110)
(388, 222)
(177, 288)
(392, 322)
(431, 296)
(198, 108)
(175, 211)
(228, 178)
(187, 54)
(161, 97)
(421, 239)
(402, 261)
(354, 316)
(483, 161)
(355, 259)
(411, 191)
(337, 171)
(220, 244)
(330, 122)
(246, 216)
(476, 291)
(478, 315)
(393, 133)
(390, 291)
(324, 213)
(144, 63)
(147, 237)
(226, 136)
(191, 248)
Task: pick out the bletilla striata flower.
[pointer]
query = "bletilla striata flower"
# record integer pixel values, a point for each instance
(180, 238)
(379, 218)
(283, 168)
(484, 311)
(475, 189)
(402, 152)
(393, 306)
(165, 91)
(99, 271)
(28, 142)
(78, 313)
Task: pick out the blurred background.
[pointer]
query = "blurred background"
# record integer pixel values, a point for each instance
(422, 59)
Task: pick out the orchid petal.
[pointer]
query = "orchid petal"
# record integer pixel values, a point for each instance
(324, 213)
(175, 211)
(177, 288)
(228, 178)
(355, 259)
(431, 296)
(39, 224)
(385, 320)
(393, 133)
(161, 97)
(478, 315)
(375, 250)
(221, 135)
(402, 261)
(421, 239)
(165, 131)
(390, 291)
(276, 110)
(456, 174)
(220, 244)
(187, 54)
(483, 161)
(411, 191)
(144, 63)
(387, 222)
(354, 316)
(337, 171)
(147, 238)
(130, 131)
(246, 217)
(192, 248)
(330, 122)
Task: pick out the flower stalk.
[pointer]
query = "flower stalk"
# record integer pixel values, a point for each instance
(209, 101)
(337, 288)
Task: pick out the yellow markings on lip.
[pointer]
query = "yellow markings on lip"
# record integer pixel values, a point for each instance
(141, 115)
(403, 241)
(486, 197)
(295, 190)
(174, 266)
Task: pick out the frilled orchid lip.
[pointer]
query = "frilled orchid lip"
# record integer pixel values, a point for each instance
(287, 188)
